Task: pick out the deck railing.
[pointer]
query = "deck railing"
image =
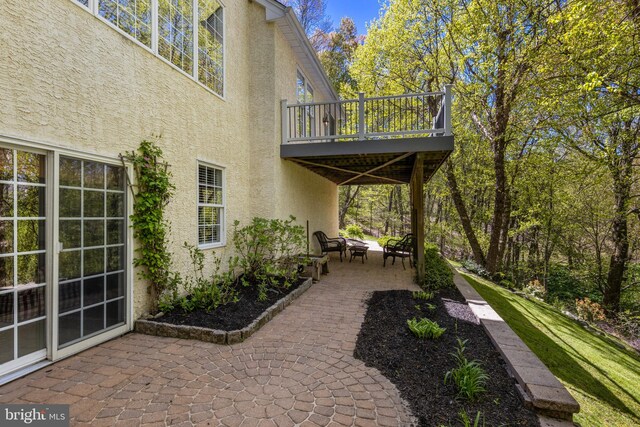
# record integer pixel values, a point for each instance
(383, 117)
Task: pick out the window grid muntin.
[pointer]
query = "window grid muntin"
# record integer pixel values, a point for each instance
(217, 80)
(215, 229)
(105, 272)
(15, 253)
(211, 45)
(111, 10)
(177, 40)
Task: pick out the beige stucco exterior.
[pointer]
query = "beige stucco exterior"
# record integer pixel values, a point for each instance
(70, 80)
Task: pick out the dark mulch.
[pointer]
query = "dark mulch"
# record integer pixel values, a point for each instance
(233, 316)
(417, 367)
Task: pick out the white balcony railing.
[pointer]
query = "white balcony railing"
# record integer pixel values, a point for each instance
(362, 119)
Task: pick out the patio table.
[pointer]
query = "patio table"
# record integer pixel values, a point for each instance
(357, 248)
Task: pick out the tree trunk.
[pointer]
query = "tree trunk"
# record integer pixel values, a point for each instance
(622, 178)
(499, 207)
(348, 201)
(478, 254)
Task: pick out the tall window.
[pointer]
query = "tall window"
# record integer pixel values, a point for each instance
(178, 28)
(132, 16)
(306, 116)
(210, 206)
(210, 45)
(175, 32)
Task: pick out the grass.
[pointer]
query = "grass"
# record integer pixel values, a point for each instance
(601, 376)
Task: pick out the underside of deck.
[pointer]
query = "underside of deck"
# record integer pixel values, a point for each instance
(369, 162)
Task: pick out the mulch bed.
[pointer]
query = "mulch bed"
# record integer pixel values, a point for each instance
(233, 316)
(417, 367)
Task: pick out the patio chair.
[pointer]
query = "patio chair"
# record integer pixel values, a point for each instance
(401, 248)
(331, 244)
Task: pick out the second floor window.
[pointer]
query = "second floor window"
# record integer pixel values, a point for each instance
(174, 35)
(133, 17)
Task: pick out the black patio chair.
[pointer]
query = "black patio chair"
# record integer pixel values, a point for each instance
(331, 244)
(401, 248)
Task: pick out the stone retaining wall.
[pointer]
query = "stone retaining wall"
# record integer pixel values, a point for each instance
(215, 336)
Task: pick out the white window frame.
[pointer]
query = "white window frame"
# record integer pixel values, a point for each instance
(53, 353)
(222, 207)
(92, 8)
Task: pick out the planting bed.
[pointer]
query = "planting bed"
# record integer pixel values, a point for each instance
(418, 366)
(227, 324)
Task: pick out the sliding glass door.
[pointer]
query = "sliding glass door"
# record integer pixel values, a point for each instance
(23, 260)
(63, 255)
(91, 262)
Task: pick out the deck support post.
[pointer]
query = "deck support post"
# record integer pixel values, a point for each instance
(417, 213)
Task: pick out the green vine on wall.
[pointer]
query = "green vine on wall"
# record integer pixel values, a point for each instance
(150, 227)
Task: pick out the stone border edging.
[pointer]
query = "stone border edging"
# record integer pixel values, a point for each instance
(150, 327)
(538, 386)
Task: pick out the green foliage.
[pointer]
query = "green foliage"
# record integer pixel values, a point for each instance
(384, 239)
(268, 253)
(202, 293)
(466, 421)
(425, 328)
(354, 231)
(150, 227)
(600, 372)
(468, 376)
(423, 295)
(437, 273)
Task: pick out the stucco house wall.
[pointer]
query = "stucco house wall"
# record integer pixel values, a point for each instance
(69, 80)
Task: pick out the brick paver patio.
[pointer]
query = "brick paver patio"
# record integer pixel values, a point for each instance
(297, 370)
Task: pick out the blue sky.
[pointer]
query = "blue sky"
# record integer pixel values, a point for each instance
(361, 11)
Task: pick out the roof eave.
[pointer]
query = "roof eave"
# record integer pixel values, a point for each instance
(285, 16)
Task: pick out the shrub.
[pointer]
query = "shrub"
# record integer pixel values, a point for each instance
(423, 295)
(425, 328)
(471, 266)
(437, 273)
(628, 324)
(201, 293)
(563, 285)
(268, 253)
(535, 288)
(354, 231)
(384, 239)
(589, 310)
(466, 421)
(468, 376)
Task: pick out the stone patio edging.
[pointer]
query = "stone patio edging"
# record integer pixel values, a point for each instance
(150, 327)
(539, 388)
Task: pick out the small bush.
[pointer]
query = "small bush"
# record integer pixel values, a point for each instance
(589, 310)
(426, 296)
(425, 328)
(384, 239)
(468, 376)
(471, 266)
(354, 231)
(535, 288)
(437, 273)
(466, 421)
(268, 253)
(201, 293)
(628, 324)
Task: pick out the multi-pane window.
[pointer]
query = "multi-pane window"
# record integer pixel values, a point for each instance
(306, 116)
(210, 205)
(175, 32)
(210, 45)
(131, 16)
(22, 253)
(174, 37)
(91, 270)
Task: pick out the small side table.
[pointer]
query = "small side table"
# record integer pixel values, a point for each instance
(358, 250)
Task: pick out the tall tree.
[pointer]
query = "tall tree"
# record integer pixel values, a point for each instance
(312, 15)
(336, 51)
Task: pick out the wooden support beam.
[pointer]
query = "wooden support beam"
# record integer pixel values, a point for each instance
(417, 213)
(370, 171)
(359, 174)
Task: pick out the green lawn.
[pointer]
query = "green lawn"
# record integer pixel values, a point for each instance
(602, 377)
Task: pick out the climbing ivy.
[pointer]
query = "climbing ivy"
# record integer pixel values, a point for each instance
(150, 227)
